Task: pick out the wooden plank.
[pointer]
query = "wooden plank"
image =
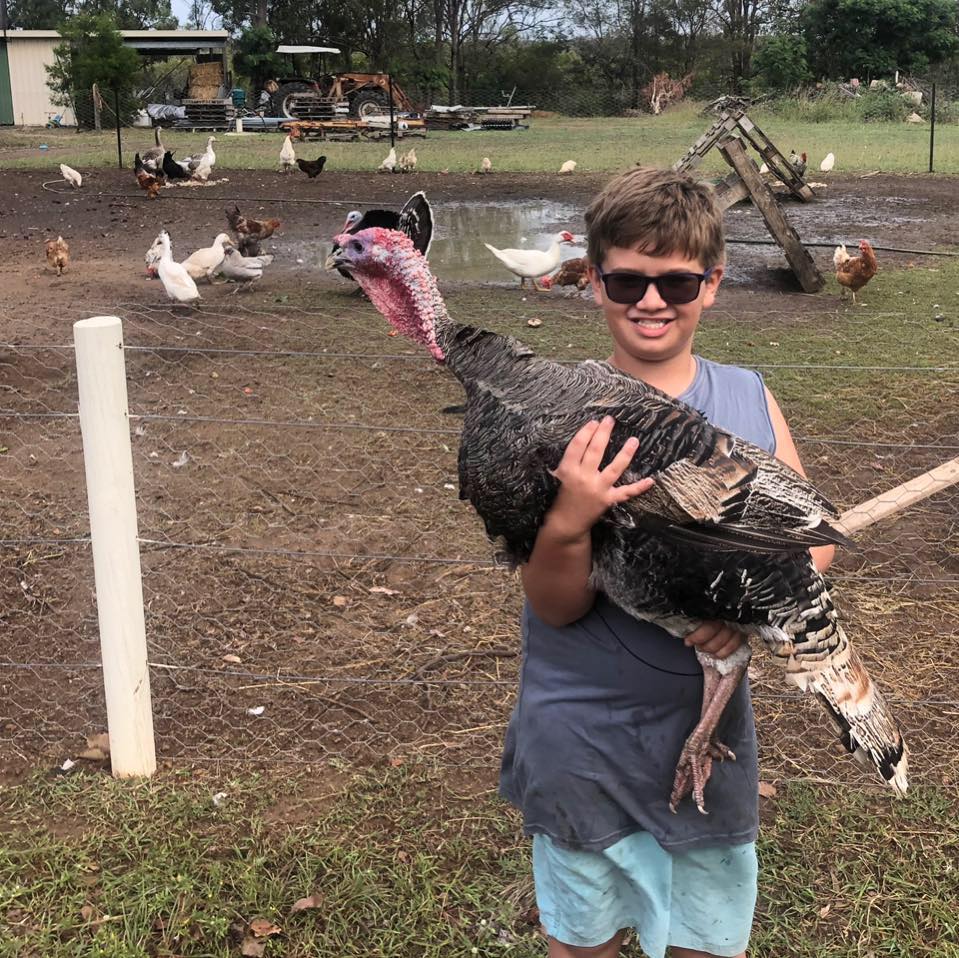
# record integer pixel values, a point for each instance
(779, 226)
(731, 191)
(895, 500)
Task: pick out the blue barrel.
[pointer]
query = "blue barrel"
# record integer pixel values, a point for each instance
(239, 98)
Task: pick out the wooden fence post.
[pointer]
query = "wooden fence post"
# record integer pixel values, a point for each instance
(108, 463)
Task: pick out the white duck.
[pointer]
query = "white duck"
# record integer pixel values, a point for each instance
(530, 263)
(205, 262)
(389, 164)
(71, 176)
(207, 156)
(203, 170)
(287, 155)
(176, 280)
(828, 163)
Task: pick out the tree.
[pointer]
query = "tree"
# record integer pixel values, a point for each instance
(870, 38)
(91, 51)
(36, 14)
(255, 55)
(131, 14)
(781, 62)
(741, 22)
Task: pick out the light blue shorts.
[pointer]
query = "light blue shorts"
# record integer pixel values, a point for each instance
(701, 899)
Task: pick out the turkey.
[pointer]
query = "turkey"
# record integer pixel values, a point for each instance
(415, 220)
(723, 533)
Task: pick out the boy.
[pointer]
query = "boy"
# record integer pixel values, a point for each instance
(606, 702)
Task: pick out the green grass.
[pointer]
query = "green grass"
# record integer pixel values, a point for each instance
(597, 144)
(408, 865)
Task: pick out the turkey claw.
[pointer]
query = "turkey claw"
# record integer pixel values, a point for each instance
(693, 769)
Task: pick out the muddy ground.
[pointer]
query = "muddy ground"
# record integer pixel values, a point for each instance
(305, 552)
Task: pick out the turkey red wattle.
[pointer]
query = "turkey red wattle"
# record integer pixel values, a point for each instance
(396, 277)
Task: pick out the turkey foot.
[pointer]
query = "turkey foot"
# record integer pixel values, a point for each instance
(695, 764)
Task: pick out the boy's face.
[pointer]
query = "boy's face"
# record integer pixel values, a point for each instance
(652, 330)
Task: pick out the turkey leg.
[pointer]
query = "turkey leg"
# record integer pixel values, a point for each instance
(695, 764)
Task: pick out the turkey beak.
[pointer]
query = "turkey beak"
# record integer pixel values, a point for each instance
(336, 259)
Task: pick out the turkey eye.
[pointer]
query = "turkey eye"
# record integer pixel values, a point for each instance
(356, 246)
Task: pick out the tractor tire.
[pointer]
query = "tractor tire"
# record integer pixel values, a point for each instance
(369, 103)
(282, 98)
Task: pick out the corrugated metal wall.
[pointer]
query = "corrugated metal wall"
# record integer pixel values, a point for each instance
(28, 80)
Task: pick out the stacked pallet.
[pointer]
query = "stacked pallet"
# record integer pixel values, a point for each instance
(207, 115)
(478, 117)
(312, 106)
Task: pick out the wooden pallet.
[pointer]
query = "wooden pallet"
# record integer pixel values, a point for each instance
(736, 124)
(346, 128)
(207, 115)
(312, 106)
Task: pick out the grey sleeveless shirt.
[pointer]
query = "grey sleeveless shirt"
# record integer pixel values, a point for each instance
(606, 703)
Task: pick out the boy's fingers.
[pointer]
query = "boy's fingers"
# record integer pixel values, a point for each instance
(730, 647)
(573, 453)
(703, 634)
(621, 460)
(593, 455)
(632, 489)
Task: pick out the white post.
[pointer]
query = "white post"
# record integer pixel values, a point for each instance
(108, 461)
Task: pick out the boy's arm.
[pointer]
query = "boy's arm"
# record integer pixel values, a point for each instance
(556, 577)
(822, 556)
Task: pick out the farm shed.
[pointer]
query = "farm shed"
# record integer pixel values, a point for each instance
(24, 54)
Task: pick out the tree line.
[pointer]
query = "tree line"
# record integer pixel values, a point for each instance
(577, 56)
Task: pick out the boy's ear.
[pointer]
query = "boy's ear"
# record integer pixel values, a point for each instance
(595, 284)
(711, 285)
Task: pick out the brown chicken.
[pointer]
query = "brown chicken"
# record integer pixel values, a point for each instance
(572, 273)
(147, 182)
(58, 254)
(250, 232)
(853, 272)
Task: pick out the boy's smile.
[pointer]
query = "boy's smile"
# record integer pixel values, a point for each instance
(652, 331)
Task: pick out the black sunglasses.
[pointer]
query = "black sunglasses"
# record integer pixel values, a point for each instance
(676, 289)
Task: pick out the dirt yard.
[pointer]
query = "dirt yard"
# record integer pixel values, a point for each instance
(305, 552)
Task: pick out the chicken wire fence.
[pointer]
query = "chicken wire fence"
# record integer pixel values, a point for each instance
(314, 589)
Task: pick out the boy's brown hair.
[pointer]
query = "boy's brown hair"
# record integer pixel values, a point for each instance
(660, 213)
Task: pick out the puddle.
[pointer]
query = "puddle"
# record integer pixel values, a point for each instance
(458, 253)
(459, 256)
(461, 229)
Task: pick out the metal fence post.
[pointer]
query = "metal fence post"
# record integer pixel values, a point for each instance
(108, 463)
(932, 127)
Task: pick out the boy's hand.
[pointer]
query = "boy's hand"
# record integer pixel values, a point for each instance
(586, 491)
(716, 638)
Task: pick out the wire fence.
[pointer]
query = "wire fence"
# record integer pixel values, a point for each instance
(316, 591)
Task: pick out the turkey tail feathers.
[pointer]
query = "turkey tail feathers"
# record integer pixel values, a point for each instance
(848, 694)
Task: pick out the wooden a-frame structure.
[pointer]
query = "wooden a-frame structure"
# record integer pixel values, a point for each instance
(728, 134)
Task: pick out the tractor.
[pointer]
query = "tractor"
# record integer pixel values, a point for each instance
(360, 95)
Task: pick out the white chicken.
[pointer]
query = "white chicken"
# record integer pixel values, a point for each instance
(176, 280)
(531, 263)
(389, 164)
(153, 256)
(486, 165)
(568, 166)
(205, 262)
(71, 176)
(828, 163)
(408, 163)
(287, 155)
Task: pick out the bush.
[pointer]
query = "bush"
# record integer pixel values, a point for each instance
(883, 105)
